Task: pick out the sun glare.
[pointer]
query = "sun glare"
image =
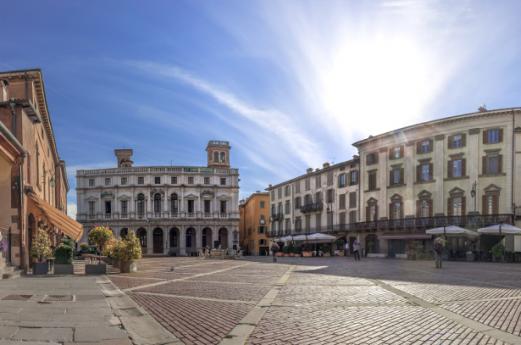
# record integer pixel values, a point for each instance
(376, 85)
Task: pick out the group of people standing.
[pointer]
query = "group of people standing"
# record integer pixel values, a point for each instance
(356, 250)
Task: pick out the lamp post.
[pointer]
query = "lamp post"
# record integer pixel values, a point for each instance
(473, 194)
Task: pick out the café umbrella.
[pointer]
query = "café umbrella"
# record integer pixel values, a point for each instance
(450, 230)
(500, 229)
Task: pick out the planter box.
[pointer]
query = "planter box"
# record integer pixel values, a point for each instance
(63, 269)
(40, 268)
(96, 268)
(128, 267)
(307, 254)
(279, 254)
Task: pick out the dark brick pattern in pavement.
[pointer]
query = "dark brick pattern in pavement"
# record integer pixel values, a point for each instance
(193, 322)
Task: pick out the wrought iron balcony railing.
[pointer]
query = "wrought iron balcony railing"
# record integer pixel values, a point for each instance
(313, 207)
(155, 215)
(275, 217)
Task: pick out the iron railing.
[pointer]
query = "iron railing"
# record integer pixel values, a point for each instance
(156, 215)
(312, 207)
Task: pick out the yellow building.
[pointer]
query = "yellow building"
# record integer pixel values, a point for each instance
(253, 226)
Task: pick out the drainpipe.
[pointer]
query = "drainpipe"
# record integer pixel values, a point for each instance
(512, 204)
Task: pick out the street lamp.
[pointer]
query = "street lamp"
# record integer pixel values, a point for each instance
(473, 194)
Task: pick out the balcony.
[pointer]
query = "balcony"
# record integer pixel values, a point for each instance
(313, 207)
(275, 217)
(155, 215)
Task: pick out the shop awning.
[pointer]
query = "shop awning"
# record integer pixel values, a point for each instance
(406, 237)
(60, 220)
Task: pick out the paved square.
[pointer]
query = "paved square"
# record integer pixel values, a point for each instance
(329, 301)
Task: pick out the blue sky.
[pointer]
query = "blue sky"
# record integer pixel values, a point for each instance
(291, 84)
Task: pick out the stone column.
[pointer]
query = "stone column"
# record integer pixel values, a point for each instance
(150, 241)
(166, 242)
(439, 164)
(182, 241)
(230, 237)
(198, 237)
(215, 235)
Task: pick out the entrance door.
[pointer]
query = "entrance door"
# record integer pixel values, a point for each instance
(395, 247)
(158, 241)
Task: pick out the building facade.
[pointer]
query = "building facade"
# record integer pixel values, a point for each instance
(253, 227)
(174, 210)
(37, 178)
(322, 200)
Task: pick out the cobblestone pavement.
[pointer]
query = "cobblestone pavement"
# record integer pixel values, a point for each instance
(329, 301)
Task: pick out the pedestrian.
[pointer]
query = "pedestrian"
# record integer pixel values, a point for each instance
(356, 250)
(439, 243)
(274, 249)
(346, 248)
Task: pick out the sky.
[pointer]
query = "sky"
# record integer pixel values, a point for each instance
(290, 84)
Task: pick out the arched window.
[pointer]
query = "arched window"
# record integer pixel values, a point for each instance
(456, 203)
(141, 204)
(216, 157)
(174, 203)
(223, 157)
(396, 207)
(490, 200)
(371, 211)
(157, 203)
(142, 235)
(424, 205)
(174, 235)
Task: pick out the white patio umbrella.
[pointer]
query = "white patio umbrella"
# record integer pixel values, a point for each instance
(450, 230)
(500, 229)
(323, 237)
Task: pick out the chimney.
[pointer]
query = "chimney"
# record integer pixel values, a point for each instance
(325, 165)
(124, 157)
(309, 170)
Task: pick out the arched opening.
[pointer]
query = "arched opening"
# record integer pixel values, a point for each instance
(223, 157)
(223, 238)
(207, 238)
(190, 241)
(31, 225)
(142, 235)
(371, 243)
(174, 238)
(174, 204)
(157, 236)
(123, 233)
(140, 205)
(216, 157)
(157, 204)
(236, 239)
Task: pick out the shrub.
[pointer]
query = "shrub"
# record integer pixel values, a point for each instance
(127, 249)
(100, 236)
(498, 250)
(84, 247)
(63, 254)
(67, 241)
(41, 248)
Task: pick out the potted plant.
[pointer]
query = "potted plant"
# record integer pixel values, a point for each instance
(63, 259)
(126, 251)
(100, 236)
(498, 252)
(41, 251)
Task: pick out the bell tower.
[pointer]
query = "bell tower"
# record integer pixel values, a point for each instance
(124, 157)
(218, 154)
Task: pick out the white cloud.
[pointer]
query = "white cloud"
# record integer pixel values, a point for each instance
(72, 209)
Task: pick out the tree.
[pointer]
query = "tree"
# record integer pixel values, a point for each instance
(100, 236)
(41, 247)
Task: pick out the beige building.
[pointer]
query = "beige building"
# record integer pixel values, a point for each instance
(463, 170)
(38, 180)
(253, 226)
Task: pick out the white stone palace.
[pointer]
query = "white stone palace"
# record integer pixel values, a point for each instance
(174, 210)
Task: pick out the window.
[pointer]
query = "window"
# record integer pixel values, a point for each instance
(396, 152)
(287, 225)
(123, 181)
(223, 206)
(318, 181)
(279, 208)
(273, 211)
(124, 208)
(91, 182)
(287, 190)
(157, 203)
(424, 172)
(157, 180)
(371, 212)
(342, 218)
(92, 205)
(307, 184)
(371, 180)
(190, 206)
(140, 180)
(297, 203)
(330, 196)
(396, 207)
(456, 202)
(329, 219)
(352, 200)
(140, 204)
(279, 192)
(207, 206)
(108, 208)
(223, 181)
(223, 157)
(371, 158)
(456, 168)
(353, 177)
(424, 146)
(330, 178)
(342, 180)
(174, 203)
(297, 187)
(318, 197)
(456, 141)
(262, 229)
(352, 217)
(173, 179)
(457, 206)
(342, 201)
(107, 181)
(490, 203)
(424, 205)
(272, 195)
(493, 136)
(190, 180)
(298, 224)
(308, 200)
(261, 204)
(307, 223)
(396, 176)
(206, 180)
(492, 163)
(286, 207)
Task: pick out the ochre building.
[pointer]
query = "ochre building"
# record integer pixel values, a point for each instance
(253, 226)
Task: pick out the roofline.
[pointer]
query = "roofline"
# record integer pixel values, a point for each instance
(153, 166)
(314, 172)
(432, 122)
(251, 196)
(17, 71)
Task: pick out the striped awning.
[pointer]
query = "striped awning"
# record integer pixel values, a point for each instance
(60, 220)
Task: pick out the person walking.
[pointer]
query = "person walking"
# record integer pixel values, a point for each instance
(346, 248)
(274, 249)
(356, 250)
(439, 243)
